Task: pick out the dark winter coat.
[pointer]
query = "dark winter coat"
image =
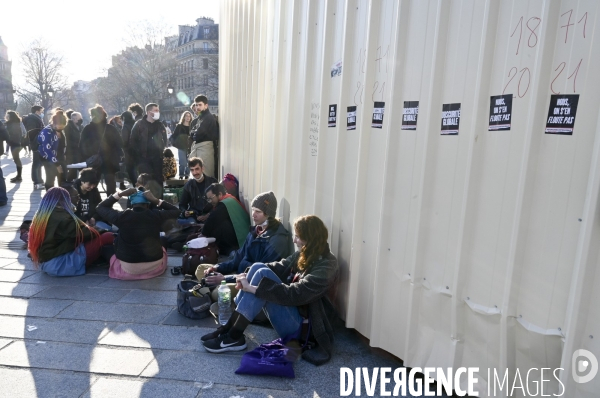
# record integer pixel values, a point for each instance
(204, 127)
(73, 136)
(33, 121)
(102, 138)
(193, 196)
(272, 245)
(218, 225)
(181, 137)
(14, 133)
(33, 138)
(139, 229)
(148, 140)
(314, 293)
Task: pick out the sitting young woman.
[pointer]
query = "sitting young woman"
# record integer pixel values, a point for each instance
(298, 288)
(60, 243)
(139, 254)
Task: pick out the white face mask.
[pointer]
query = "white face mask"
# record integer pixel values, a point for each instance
(42, 114)
(156, 116)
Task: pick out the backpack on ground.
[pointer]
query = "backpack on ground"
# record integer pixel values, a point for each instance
(192, 258)
(24, 231)
(193, 300)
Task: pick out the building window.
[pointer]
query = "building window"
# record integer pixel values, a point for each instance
(206, 32)
(205, 78)
(205, 63)
(205, 47)
(192, 64)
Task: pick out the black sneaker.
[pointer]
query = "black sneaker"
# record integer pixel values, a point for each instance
(213, 335)
(16, 179)
(224, 343)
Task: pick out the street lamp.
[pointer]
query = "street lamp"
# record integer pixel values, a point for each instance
(170, 88)
(50, 92)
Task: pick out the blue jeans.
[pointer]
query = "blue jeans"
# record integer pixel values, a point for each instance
(184, 170)
(3, 197)
(286, 320)
(36, 168)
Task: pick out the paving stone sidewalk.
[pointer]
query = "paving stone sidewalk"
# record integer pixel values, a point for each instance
(92, 336)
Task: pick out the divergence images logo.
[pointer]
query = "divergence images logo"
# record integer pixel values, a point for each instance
(584, 366)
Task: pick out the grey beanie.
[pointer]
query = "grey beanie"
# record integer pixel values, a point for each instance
(266, 202)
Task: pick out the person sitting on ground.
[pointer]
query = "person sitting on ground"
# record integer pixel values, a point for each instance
(139, 254)
(231, 184)
(192, 201)
(228, 222)
(293, 291)
(89, 196)
(59, 242)
(169, 165)
(268, 241)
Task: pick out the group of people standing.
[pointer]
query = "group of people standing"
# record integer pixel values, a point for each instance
(136, 140)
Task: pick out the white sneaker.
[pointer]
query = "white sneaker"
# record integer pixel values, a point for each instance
(38, 186)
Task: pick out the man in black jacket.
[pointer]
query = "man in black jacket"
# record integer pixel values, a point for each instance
(193, 199)
(148, 140)
(218, 225)
(34, 124)
(204, 132)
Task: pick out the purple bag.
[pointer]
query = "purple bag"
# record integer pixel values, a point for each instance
(275, 358)
(269, 359)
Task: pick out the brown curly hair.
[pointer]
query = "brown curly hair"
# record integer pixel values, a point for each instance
(312, 231)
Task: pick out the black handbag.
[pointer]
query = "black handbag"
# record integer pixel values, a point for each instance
(95, 161)
(193, 300)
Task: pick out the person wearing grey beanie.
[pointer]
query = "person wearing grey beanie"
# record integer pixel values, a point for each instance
(266, 202)
(268, 241)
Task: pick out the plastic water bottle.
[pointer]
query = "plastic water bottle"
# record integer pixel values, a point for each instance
(224, 303)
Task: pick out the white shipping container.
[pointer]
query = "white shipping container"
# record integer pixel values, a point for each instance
(482, 246)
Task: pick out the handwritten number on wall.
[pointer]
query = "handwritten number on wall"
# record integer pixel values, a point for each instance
(528, 82)
(520, 33)
(566, 26)
(532, 30)
(509, 72)
(563, 64)
(575, 74)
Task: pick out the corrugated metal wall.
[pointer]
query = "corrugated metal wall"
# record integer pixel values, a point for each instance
(476, 249)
